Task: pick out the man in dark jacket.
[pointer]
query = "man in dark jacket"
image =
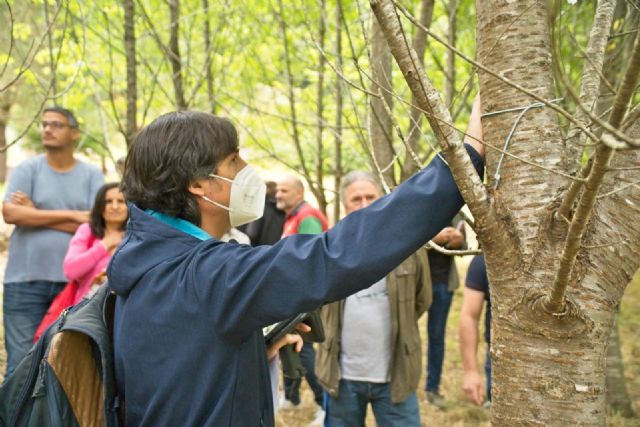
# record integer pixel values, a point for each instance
(188, 342)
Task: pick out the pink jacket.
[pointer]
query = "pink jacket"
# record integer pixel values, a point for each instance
(85, 259)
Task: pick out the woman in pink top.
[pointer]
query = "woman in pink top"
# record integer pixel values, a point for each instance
(91, 247)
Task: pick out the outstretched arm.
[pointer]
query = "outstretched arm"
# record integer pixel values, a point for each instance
(474, 130)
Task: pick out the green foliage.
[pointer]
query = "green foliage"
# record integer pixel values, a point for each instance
(85, 52)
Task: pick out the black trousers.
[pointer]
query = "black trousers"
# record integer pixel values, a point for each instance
(292, 387)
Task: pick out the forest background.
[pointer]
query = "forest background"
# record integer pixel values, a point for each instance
(313, 89)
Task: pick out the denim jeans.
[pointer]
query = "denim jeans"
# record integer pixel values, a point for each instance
(436, 328)
(24, 306)
(292, 387)
(349, 409)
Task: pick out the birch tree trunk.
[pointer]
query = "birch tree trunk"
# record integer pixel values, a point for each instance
(548, 359)
(337, 145)
(322, 27)
(380, 124)
(174, 55)
(132, 86)
(208, 57)
(547, 369)
(6, 102)
(410, 166)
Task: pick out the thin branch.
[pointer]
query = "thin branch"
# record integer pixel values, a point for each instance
(626, 33)
(291, 95)
(566, 206)
(26, 63)
(434, 246)
(11, 39)
(619, 189)
(496, 75)
(469, 183)
(631, 118)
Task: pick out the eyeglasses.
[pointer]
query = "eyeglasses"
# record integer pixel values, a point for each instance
(53, 125)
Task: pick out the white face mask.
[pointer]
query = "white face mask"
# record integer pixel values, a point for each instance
(246, 202)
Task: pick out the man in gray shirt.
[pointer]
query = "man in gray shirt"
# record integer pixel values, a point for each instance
(372, 351)
(47, 198)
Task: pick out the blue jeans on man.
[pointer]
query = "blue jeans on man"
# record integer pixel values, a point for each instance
(350, 408)
(436, 328)
(24, 306)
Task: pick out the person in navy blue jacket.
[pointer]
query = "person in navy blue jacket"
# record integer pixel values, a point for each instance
(188, 341)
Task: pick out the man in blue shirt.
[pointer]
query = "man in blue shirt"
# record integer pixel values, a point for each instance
(47, 198)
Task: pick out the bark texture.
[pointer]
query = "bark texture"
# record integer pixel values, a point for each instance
(428, 100)
(337, 145)
(174, 55)
(548, 369)
(380, 122)
(410, 166)
(6, 102)
(132, 86)
(514, 39)
(590, 82)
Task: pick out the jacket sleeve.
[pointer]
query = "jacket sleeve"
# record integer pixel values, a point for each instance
(253, 287)
(80, 257)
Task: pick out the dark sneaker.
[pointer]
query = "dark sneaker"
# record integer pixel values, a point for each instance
(436, 400)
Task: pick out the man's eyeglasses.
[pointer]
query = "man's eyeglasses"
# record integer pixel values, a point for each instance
(53, 125)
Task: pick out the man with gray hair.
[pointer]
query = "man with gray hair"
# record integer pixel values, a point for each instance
(372, 352)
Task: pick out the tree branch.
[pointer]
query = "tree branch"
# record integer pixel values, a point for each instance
(428, 99)
(590, 83)
(555, 303)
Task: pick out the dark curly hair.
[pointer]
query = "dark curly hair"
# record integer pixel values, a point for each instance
(96, 220)
(169, 154)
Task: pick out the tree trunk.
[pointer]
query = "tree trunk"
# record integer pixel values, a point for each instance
(547, 364)
(542, 361)
(6, 102)
(380, 123)
(208, 57)
(174, 55)
(322, 202)
(130, 53)
(410, 165)
(337, 146)
(450, 84)
(52, 61)
(315, 187)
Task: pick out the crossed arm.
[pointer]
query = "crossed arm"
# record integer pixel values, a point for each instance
(21, 211)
